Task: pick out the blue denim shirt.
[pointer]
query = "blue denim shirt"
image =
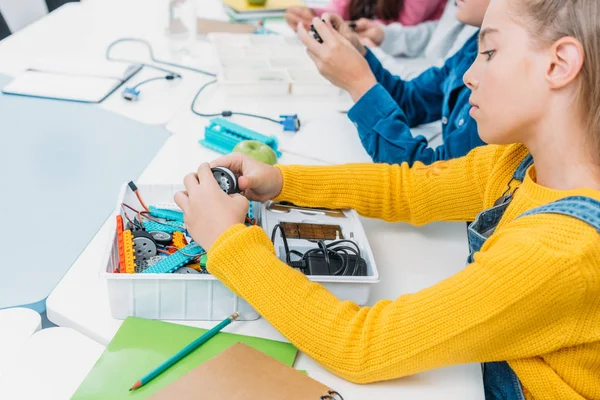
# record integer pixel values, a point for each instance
(385, 114)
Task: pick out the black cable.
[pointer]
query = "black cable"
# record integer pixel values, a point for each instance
(332, 249)
(158, 78)
(225, 113)
(147, 44)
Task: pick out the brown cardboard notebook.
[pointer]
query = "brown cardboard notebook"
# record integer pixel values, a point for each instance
(241, 372)
(204, 25)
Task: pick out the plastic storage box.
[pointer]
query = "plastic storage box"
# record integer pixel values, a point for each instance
(267, 64)
(201, 296)
(355, 288)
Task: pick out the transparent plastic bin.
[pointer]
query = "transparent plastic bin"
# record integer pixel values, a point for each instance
(354, 288)
(166, 296)
(267, 65)
(203, 297)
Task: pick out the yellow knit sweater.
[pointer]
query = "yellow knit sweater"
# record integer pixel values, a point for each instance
(532, 295)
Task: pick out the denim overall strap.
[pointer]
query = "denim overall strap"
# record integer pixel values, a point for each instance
(583, 208)
(486, 221)
(519, 174)
(500, 382)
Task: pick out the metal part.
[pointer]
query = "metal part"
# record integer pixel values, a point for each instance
(286, 208)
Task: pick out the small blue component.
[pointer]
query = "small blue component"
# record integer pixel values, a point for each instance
(171, 215)
(173, 226)
(175, 260)
(290, 123)
(222, 136)
(131, 94)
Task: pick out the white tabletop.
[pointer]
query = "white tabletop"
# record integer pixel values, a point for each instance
(50, 366)
(403, 256)
(16, 327)
(80, 301)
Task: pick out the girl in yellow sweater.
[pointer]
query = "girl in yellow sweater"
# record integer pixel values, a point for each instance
(528, 303)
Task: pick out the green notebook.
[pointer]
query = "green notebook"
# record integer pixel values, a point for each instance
(140, 345)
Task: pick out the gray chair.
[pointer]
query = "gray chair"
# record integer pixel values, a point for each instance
(4, 30)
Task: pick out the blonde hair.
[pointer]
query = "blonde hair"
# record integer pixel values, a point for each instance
(548, 21)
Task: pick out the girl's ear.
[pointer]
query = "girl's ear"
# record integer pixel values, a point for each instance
(566, 61)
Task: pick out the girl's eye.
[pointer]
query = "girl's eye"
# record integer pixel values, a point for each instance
(488, 53)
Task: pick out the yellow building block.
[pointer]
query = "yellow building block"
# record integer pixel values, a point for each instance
(179, 240)
(129, 252)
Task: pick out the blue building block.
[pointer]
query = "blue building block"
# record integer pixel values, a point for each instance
(172, 215)
(175, 260)
(172, 226)
(251, 210)
(222, 136)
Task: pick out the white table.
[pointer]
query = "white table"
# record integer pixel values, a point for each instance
(50, 366)
(16, 327)
(403, 256)
(83, 31)
(80, 301)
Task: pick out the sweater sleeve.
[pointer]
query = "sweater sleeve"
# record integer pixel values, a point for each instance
(514, 301)
(407, 41)
(444, 191)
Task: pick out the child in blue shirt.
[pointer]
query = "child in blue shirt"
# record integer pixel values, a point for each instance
(386, 106)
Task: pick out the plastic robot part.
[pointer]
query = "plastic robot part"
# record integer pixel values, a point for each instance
(226, 179)
(154, 260)
(176, 260)
(128, 252)
(172, 215)
(162, 238)
(222, 136)
(140, 266)
(195, 266)
(144, 248)
(251, 210)
(120, 244)
(185, 270)
(173, 226)
(179, 240)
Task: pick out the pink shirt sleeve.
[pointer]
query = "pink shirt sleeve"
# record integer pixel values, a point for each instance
(413, 12)
(416, 11)
(339, 7)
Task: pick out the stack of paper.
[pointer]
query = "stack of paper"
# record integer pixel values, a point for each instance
(241, 10)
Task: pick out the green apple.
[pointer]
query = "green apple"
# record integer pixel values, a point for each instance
(257, 150)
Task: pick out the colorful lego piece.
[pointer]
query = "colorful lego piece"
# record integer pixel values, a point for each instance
(176, 260)
(129, 252)
(179, 240)
(172, 226)
(172, 215)
(195, 266)
(222, 136)
(120, 245)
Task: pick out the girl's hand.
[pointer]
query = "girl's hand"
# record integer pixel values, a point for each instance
(338, 23)
(297, 14)
(370, 30)
(208, 211)
(337, 59)
(257, 181)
